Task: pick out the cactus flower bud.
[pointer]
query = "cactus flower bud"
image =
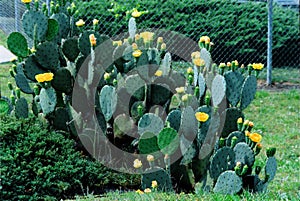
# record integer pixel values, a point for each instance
(245, 170)
(258, 148)
(154, 184)
(160, 40)
(134, 46)
(117, 43)
(36, 90)
(238, 168)
(140, 110)
(18, 92)
(93, 40)
(115, 82)
(80, 23)
(137, 37)
(240, 123)
(95, 22)
(221, 142)
(137, 164)
(233, 141)
(180, 90)
(11, 72)
(9, 84)
(106, 76)
(185, 98)
(150, 158)
(190, 71)
(163, 46)
(197, 91)
(13, 99)
(222, 65)
(271, 152)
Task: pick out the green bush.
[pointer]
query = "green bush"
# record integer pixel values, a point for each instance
(239, 30)
(40, 164)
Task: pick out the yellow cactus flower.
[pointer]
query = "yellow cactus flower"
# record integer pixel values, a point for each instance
(195, 55)
(154, 184)
(222, 65)
(93, 40)
(139, 192)
(147, 190)
(158, 73)
(137, 164)
(106, 76)
(95, 22)
(136, 13)
(45, 77)
(185, 98)
(240, 120)
(137, 53)
(201, 116)
(228, 64)
(251, 124)
(26, 1)
(150, 158)
(80, 23)
(255, 137)
(198, 62)
(204, 39)
(147, 36)
(257, 66)
(134, 46)
(117, 43)
(189, 70)
(180, 90)
(246, 122)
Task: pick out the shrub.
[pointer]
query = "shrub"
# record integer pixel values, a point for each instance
(239, 30)
(40, 164)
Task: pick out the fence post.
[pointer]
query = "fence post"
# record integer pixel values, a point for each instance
(270, 27)
(48, 5)
(16, 16)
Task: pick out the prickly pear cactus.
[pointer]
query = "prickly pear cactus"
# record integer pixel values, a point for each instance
(244, 154)
(160, 176)
(228, 183)
(174, 118)
(168, 141)
(47, 55)
(248, 91)
(23, 84)
(108, 101)
(150, 123)
(239, 135)
(48, 100)
(17, 44)
(218, 89)
(222, 160)
(70, 49)
(21, 110)
(271, 168)
(148, 143)
(234, 83)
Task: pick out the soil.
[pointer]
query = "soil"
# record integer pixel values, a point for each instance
(277, 86)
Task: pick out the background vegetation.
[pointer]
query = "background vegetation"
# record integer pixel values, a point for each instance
(238, 30)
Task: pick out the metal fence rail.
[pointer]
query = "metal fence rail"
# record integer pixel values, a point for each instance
(11, 12)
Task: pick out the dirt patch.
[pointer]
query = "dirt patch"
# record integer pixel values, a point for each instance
(277, 86)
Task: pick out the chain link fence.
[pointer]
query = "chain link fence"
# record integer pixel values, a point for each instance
(237, 28)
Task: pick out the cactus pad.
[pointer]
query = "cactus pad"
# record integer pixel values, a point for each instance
(108, 101)
(230, 116)
(174, 118)
(84, 42)
(53, 29)
(228, 183)
(234, 83)
(5, 106)
(35, 21)
(32, 68)
(17, 44)
(23, 84)
(148, 143)
(123, 125)
(64, 25)
(202, 85)
(21, 110)
(150, 122)
(244, 154)
(47, 55)
(168, 140)
(271, 168)
(248, 91)
(62, 80)
(189, 124)
(240, 137)
(218, 89)
(160, 176)
(223, 159)
(48, 100)
(70, 49)
(135, 86)
(160, 94)
(205, 55)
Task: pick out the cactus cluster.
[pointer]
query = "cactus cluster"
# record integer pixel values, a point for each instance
(193, 126)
